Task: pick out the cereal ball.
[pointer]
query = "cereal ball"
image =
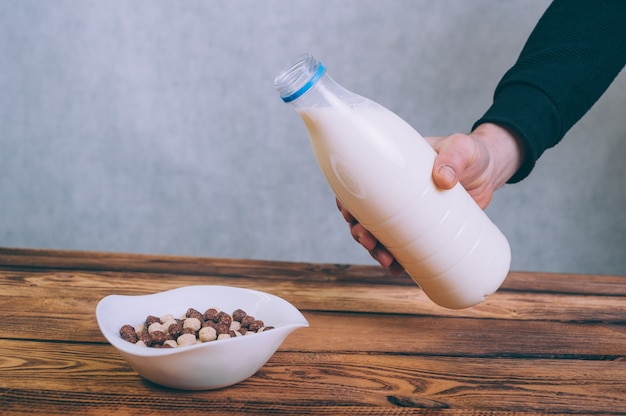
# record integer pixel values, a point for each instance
(222, 329)
(209, 323)
(265, 328)
(186, 339)
(155, 326)
(247, 320)
(224, 318)
(166, 324)
(157, 338)
(141, 344)
(243, 330)
(192, 313)
(239, 314)
(152, 319)
(170, 343)
(256, 325)
(223, 336)
(207, 333)
(235, 326)
(211, 314)
(167, 317)
(145, 338)
(189, 331)
(127, 332)
(140, 328)
(175, 329)
(193, 323)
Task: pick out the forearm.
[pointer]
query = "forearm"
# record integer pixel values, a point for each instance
(576, 50)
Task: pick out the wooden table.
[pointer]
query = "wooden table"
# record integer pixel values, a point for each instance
(376, 345)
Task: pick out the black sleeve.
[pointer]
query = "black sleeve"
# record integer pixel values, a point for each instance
(574, 53)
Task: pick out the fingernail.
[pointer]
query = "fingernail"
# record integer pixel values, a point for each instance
(448, 173)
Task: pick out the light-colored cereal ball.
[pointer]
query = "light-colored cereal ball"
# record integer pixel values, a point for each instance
(235, 326)
(238, 334)
(250, 333)
(139, 328)
(223, 336)
(193, 323)
(166, 324)
(207, 334)
(141, 344)
(155, 326)
(170, 343)
(167, 317)
(186, 339)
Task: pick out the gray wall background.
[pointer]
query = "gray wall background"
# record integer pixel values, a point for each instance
(153, 126)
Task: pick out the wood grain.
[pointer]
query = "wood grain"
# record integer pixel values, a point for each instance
(337, 379)
(545, 343)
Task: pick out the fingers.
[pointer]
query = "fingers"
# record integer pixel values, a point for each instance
(386, 259)
(370, 243)
(344, 212)
(396, 269)
(363, 237)
(359, 233)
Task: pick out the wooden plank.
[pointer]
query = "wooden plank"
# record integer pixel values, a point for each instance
(45, 379)
(377, 333)
(60, 298)
(20, 259)
(29, 259)
(50, 403)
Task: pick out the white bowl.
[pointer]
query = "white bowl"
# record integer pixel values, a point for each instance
(208, 365)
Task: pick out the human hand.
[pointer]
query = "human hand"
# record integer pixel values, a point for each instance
(370, 243)
(482, 162)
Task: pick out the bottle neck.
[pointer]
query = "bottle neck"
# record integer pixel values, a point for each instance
(305, 83)
(299, 77)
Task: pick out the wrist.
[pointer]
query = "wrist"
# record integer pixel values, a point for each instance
(505, 149)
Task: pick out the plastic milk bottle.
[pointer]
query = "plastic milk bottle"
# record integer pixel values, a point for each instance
(380, 169)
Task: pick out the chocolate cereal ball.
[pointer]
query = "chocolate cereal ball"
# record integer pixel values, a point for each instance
(256, 325)
(246, 321)
(157, 338)
(175, 329)
(211, 314)
(127, 332)
(192, 313)
(224, 318)
(151, 319)
(239, 314)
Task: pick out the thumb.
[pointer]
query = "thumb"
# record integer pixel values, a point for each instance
(451, 159)
(445, 176)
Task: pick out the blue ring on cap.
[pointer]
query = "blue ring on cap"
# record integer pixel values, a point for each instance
(318, 74)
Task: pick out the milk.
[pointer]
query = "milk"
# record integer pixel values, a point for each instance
(380, 169)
